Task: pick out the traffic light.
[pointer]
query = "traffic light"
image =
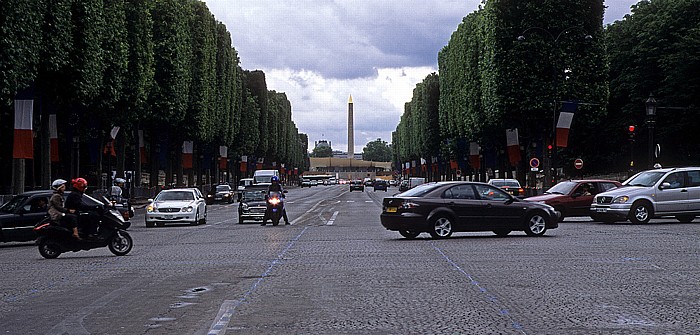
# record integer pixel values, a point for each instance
(549, 150)
(630, 132)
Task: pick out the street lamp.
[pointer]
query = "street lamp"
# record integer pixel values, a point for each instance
(651, 120)
(551, 172)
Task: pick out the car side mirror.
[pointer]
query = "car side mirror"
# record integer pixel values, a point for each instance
(665, 185)
(510, 201)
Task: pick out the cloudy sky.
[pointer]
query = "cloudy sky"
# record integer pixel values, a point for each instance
(321, 51)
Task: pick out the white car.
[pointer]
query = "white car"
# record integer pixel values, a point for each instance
(177, 205)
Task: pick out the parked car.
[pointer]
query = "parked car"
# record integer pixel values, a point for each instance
(253, 204)
(220, 193)
(177, 205)
(19, 216)
(357, 185)
(574, 197)
(380, 185)
(443, 208)
(673, 192)
(511, 186)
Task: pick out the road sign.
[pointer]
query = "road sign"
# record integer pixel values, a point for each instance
(534, 163)
(578, 163)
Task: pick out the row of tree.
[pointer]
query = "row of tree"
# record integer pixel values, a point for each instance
(165, 67)
(515, 64)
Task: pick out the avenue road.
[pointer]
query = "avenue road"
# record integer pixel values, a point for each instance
(336, 270)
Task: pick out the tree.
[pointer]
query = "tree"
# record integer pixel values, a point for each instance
(377, 151)
(322, 151)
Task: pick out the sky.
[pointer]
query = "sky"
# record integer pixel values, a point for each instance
(319, 52)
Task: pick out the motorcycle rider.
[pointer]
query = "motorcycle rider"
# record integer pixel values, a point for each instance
(74, 202)
(275, 186)
(58, 213)
(117, 192)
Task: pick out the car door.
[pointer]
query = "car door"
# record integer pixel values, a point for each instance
(694, 190)
(675, 197)
(499, 209)
(21, 228)
(580, 203)
(464, 203)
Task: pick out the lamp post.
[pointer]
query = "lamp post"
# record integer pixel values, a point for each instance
(551, 170)
(651, 120)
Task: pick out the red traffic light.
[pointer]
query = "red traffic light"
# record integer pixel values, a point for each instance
(630, 129)
(549, 147)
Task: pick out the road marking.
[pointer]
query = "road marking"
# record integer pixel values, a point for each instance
(332, 220)
(350, 201)
(369, 200)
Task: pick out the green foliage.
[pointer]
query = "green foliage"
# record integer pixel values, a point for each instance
(377, 151)
(140, 63)
(322, 151)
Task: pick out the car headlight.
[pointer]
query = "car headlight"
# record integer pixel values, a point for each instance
(187, 209)
(244, 207)
(226, 195)
(151, 209)
(209, 195)
(621, 200)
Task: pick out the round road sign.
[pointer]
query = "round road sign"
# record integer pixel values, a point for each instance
(578, 163)
(534, 163)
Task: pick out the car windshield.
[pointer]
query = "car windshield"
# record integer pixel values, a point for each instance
(419, 190)
(12, 205)
(564, 187)
(646, 179)
(503, 183)
(176, 196)
(254, 196)
(222, 188)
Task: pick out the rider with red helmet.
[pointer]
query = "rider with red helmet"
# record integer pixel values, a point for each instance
(74, 203)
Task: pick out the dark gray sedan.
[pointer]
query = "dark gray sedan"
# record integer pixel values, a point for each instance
(446, 207)
(19, 215)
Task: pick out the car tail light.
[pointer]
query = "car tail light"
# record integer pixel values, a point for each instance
(521, 191)
(409, 205)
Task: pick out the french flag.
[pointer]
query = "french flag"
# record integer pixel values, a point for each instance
(142, 147)
(23, 147)
(53, 136)
(187, 150)
(513, 146)
(223, 160)
(564, 123)
(474, 160)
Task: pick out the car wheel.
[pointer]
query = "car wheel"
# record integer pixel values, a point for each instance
(441, 227)
(685, 218)
(409, 234)
(640, 212)
(149, 224)
(203, 220)
(535, 225)
(501, 232)
(196, 219)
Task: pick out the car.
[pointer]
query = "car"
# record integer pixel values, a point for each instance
(669, 192)
(253, 204)
(177, 205)
(357, 185)
(19, 216)
(305, 183)
(221, 193)
(314, 182)
(393, 182)
(443, 208)
(512, 186)
(242, 184)
(368, 182)
(380, 184)
(569, 197)
(410, 183)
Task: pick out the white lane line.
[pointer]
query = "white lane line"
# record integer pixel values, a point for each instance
(369, 201)
(332, 220)
(350, 201)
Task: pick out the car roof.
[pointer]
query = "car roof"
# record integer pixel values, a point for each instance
(37, 192)
(592, 180)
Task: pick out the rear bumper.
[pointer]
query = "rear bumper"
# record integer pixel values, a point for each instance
(404, 221)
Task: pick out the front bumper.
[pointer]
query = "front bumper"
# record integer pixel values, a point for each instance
(170, 217)
(619, 211)
(253, 213)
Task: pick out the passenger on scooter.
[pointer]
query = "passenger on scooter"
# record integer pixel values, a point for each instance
(58, 213)
(74, 202)
(277, 187)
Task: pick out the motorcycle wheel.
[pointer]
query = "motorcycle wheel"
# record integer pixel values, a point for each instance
(49, 249)
(121, 243)
(275, 219)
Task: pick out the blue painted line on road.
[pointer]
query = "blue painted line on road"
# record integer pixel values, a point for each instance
(489, 297)
(229, 306)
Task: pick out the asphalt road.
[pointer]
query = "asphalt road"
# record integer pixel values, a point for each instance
(335, 270)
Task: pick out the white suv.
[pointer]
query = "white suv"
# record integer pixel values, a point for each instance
(651, 194)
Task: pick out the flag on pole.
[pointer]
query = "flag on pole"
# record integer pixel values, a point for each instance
(53, 136)
(142, 148)
(23, 146)
(474, 160)
(223, 159)
(564, 123)
(187, 151)
(513, 145)
(109, 147)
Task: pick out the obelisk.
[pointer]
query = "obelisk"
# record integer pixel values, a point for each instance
(351, 134)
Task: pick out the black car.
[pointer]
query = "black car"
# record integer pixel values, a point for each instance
(253, 204)
(446, 207)
(19, 215)
(220, 193)
(357, 185)
(380, 185)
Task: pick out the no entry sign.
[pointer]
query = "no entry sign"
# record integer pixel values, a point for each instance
(578, 163)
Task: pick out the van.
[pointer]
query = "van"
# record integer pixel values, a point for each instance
(265, 176)
(410, 183)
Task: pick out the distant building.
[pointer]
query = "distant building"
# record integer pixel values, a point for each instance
(322, 143)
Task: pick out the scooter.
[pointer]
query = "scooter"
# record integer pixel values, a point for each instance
(53, 240)
(275, 207)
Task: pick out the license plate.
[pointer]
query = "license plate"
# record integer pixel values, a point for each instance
(391, 209)
(168, 217)
(601, 210)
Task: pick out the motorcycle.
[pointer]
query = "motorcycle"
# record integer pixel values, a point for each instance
(275, 207)
(123, 206)
(53, 240)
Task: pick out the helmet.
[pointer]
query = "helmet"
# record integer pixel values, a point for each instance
(275, 178)
(57, 183)
(119, 181)
(80, 184)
